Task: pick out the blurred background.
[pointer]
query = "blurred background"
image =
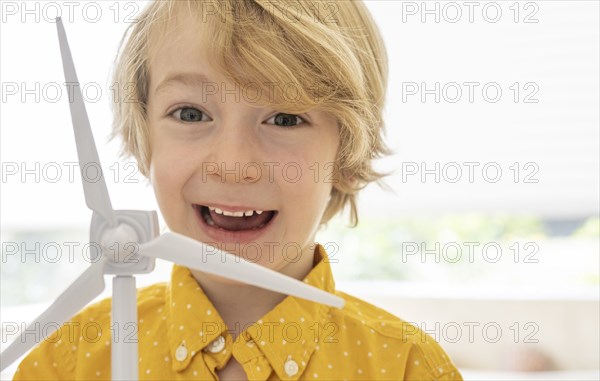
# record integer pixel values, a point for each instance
(488, 238)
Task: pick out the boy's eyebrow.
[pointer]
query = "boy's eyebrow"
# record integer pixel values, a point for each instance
(188, 79)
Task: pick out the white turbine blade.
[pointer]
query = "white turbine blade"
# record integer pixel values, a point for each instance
(188, 252)
(94, 187)
(85, 288)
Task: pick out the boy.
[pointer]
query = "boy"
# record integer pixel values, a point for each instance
(255, 122)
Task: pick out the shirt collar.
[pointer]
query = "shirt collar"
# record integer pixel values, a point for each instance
(290, 331)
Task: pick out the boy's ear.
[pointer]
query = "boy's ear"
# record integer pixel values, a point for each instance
(349, 178)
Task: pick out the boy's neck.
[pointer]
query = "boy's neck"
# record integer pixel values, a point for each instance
(242, 304)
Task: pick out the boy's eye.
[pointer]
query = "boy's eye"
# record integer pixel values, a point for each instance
(192, 114)
(287, 120)
(189, 114)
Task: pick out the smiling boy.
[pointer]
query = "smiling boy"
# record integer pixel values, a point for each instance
(255, 126)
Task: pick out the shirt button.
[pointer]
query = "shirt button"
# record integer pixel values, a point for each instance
(181, 353)
(290, 367)
(217, 345)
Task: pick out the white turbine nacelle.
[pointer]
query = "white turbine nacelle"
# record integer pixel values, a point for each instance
(120, 245)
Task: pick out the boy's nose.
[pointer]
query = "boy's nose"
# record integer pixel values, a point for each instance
(236, 152)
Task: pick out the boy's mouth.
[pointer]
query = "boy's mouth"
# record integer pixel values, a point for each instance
(235, 221)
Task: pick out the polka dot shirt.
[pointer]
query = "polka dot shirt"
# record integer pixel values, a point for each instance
(182, 337)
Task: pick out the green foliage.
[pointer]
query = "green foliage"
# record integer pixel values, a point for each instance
(378, 247)
(589, 229)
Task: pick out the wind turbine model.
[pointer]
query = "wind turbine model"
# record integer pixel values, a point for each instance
(136, 235)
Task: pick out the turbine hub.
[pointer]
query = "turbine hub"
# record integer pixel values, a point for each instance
(120, 244)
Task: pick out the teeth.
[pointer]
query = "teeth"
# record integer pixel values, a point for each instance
(246, 213)
(233, 214)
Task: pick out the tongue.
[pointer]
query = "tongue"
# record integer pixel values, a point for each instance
(241, 223)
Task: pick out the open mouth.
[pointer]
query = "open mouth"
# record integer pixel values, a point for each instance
(235, 221)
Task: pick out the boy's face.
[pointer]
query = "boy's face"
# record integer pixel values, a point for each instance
(223, 151)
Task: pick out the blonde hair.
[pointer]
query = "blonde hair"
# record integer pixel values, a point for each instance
(331, 52)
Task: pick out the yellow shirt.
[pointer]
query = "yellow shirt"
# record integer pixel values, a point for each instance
(181, 336)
